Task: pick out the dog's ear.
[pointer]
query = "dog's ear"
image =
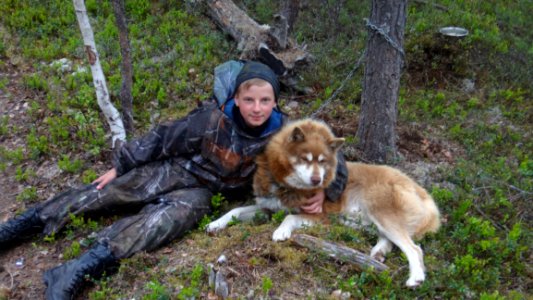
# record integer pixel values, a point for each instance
(297, 135)
(336, 143)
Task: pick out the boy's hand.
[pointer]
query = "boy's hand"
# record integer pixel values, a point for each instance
(105, 179)
(313, 205)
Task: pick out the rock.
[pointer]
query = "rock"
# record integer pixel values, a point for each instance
(212, 276)
(80, 70)
(222, 259)
(293, 104)
(339, 294)
(420, 171)
(469, 85)
(221, 286)
(48, 170)
(250, 295)
(62, 65)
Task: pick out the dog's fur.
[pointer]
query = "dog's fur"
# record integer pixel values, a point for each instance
(301, 160)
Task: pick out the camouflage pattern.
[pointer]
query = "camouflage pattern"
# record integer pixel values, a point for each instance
(173, 172)
(157, 224)
(206, 143)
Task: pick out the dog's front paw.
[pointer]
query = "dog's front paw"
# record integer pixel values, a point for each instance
(215, 226)
(281, 234)
(415, 279)
(378, 256)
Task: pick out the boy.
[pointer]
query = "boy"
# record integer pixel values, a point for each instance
(173, 171)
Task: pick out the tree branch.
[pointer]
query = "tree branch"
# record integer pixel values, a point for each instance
(338, 252)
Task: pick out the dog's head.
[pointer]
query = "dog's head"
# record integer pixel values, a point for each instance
(303, 155)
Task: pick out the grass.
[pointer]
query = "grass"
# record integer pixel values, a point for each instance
(483, 246)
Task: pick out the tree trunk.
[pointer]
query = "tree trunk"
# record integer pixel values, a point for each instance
(102, 95)
(376, 131)
(126, 99)
(267, 43)
(290, 10)
(334, 9)
(338, 252)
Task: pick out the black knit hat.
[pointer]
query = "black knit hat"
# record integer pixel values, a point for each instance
(253, 69)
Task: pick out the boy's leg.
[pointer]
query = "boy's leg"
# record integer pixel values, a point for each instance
(140, 185)
(157, 224)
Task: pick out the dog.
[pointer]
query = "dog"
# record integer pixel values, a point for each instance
(301, 159)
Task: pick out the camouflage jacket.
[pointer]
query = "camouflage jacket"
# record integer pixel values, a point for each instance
(209, 144)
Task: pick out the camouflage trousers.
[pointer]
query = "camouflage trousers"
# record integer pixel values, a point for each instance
(174, 202)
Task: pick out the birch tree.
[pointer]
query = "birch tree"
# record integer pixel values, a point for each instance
(111, 114)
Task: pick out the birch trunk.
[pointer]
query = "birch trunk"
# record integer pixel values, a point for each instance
(111, 114)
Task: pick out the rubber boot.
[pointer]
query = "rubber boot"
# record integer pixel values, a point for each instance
(64, 280)
(20, 226)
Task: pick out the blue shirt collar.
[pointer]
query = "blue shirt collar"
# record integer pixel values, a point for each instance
(273, 123)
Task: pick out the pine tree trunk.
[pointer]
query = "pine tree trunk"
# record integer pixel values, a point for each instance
(102, 94)
(381, 83)
(126, 99)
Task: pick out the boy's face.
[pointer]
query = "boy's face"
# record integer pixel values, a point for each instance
(256, 104)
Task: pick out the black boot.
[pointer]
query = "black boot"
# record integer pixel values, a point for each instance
(63, 281)
(20, 226)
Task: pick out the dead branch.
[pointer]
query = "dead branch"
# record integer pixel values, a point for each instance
(338, 252)
(259, 41)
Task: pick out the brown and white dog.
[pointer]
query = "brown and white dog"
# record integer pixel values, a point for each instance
(301, 159)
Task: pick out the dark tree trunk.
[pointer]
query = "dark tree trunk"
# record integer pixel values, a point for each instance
(334, 9)
(126, 98)
(376, 131)
(290, 10)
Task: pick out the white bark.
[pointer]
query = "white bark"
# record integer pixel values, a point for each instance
(111, 114)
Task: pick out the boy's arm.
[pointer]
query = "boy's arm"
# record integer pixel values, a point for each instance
(314, 204)
(178, 138)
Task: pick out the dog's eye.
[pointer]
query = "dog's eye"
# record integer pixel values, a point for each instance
(308, 157)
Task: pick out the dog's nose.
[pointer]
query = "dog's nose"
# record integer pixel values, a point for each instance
(315, 180)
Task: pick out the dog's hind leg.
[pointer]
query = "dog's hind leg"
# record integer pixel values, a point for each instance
(244, 213)
(381, 249)
(400, 237)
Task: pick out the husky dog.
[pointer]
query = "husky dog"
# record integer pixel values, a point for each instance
(301, 160)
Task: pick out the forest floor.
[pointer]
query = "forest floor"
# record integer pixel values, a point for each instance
(22, 266)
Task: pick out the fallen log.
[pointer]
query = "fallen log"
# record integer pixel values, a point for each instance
(338, 252)
(268, 43)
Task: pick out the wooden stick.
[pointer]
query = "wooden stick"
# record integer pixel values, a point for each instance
(338, 252)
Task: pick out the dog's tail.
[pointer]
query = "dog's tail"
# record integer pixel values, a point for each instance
(431, 220)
